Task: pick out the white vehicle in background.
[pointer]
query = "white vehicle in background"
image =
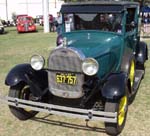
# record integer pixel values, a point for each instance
(1, 27)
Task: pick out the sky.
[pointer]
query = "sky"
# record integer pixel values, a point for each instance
(33, 8)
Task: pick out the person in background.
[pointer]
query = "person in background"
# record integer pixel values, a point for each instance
(51, 21)
(59, 23)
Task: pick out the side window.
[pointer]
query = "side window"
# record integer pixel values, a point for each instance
(130, 18)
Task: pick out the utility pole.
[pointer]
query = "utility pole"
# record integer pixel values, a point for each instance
(46, 16)
(27, 6)
(55, 3)
(6, 10)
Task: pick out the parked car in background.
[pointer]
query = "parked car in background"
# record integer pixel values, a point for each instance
(39, 18)
(25, 24)
(1, 28)
(4, 23)
(41, 21)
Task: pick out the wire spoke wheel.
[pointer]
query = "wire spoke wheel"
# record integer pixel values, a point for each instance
(25, 94)
(122, 110)
(21, 91)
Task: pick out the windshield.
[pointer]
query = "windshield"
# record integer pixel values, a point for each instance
(25, 19)
(98, 21)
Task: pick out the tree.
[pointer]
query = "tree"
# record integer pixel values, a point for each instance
(14, 17)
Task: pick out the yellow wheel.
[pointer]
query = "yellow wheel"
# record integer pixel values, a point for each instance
(121, 107)
(21, 91)
(132, 73)
(122, 110)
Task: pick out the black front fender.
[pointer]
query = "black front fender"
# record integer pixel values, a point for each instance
(17, 74)
(115, 86)
(37, 80)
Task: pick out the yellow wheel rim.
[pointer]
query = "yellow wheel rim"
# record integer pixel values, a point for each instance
(132, 73)
(122, 110)
(23, 91)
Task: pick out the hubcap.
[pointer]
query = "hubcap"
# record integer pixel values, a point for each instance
(122, 110)
(132, 73)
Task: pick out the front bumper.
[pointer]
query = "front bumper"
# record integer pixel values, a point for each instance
(61, 110)
(26, 29)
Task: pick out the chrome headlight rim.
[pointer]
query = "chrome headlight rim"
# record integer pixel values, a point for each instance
(87, 60)
(37, 62)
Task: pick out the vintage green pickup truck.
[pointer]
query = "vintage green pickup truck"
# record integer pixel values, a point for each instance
(93, 73)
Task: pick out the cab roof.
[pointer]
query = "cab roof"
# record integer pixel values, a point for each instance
(97, 6)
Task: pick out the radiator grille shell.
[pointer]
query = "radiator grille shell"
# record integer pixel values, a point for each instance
(26, 26)
(66, 60)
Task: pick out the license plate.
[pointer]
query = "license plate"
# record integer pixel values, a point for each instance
(66, 78)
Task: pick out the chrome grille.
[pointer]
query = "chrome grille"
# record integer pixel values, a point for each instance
(26, 25)
(65, 60)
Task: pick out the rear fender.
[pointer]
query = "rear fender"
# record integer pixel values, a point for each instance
(115, 86)
(141, 52)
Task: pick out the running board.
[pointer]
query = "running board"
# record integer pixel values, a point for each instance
(138, 77)
(61, 110)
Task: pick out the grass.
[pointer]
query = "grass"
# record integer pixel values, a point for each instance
(18, 48)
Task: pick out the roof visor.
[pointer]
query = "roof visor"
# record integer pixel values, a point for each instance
(92, 8)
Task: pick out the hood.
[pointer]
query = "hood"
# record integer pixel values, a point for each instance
(93, 43)
(105, 47)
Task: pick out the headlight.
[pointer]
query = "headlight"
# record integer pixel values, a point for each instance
(37, 62)
(59, 40)
(90, 66)
(30, 24)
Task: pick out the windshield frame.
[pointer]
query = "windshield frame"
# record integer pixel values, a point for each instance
(75, 30)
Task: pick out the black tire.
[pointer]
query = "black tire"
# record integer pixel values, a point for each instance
(115, 128)
(134, 92)
(16, 91)
(126, 67)
(132, 96)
